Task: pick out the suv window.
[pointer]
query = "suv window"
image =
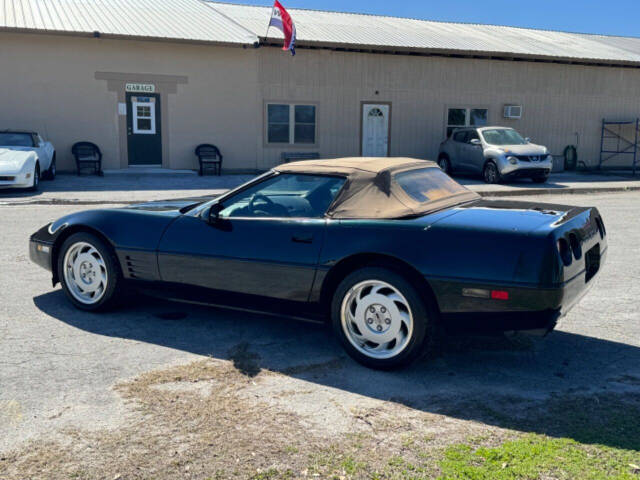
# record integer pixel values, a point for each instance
(472, 134)
(460, 136)
(285, 195)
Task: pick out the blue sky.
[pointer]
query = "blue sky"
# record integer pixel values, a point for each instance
(611, 17)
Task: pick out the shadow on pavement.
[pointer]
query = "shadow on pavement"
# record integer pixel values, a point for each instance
(565, 385)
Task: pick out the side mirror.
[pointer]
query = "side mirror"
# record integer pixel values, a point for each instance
(527, 139)
(214, 213)
(475, 141)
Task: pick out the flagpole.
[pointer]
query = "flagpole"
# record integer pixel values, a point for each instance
(269, 24)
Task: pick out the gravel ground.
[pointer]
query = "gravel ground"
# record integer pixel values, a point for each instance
(58, 366)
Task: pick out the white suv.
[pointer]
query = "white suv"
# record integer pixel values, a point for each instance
(495, 152)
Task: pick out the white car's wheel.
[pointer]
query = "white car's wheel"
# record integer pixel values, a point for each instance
(35, 182)
(490, 173)
(51, 173)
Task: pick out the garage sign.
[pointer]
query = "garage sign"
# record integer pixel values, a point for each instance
(140, 87)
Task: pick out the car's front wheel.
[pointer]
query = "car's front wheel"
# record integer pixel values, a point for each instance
(89, 272)
(380, 318)
(35, 183)
(491, 173)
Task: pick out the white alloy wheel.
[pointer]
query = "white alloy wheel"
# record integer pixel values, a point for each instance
(376, 319)
(85, 273)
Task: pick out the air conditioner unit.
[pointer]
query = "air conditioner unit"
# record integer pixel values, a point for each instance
(513, 111)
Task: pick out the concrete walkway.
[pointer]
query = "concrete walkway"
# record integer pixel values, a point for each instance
(118, 189)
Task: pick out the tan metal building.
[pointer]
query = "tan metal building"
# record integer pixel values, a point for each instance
(148, 81)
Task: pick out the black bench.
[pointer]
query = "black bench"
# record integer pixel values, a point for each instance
(209, 156)
(291, 156)
(87, 154)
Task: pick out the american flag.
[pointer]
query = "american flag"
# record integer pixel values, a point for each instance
(281, 19)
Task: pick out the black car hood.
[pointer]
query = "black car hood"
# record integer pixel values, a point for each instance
(178, 204)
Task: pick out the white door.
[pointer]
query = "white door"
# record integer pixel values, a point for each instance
(375, 130)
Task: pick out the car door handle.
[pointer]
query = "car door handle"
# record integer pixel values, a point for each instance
(302, 238)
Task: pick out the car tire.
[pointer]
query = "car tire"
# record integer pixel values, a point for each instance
(445, 164)
(51, 173)
(89, 272)
(490, 173)
(540, 178)
(36, 179)
(408, 318)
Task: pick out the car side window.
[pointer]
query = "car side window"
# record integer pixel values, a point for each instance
(285, 196)
(460, 136)
(473, 135)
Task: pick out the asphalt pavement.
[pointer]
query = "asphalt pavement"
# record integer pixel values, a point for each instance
(58, 365)
(127, 187)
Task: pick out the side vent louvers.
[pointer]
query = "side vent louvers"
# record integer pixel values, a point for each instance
(139, 267)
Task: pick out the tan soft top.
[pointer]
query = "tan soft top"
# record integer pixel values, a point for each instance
(370, 190)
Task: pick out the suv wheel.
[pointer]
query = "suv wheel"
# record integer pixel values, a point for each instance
(491, 173)
(380, 319)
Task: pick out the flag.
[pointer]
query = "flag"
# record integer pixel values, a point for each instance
(281, 19)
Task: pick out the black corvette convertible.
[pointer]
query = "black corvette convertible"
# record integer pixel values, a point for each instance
(388, 249)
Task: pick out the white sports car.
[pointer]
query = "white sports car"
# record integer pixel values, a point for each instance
(24, 158)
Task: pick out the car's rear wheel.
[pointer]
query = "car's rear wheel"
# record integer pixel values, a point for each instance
(89, 272)
(35, 183)
(491, 173)
(51, 173)
(445, 164)
(380, 318)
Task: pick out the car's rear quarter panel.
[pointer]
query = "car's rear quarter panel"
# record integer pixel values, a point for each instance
(487, 245)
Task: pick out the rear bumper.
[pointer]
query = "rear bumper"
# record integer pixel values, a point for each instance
(527, 308)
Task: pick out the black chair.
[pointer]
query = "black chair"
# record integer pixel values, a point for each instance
(87, 154)
(209, 156)
(292, 156)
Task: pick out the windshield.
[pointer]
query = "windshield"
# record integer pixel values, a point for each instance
(10, 139)
(428, 184)
(503, 136)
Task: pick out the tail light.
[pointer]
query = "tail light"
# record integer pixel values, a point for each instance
(576, 248)
(601, 228)
(565, 251)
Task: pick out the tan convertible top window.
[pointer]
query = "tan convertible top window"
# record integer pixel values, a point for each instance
(428, 184)
(372, 189)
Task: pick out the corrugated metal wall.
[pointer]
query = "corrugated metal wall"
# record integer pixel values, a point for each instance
(562, 104)
(49, 84)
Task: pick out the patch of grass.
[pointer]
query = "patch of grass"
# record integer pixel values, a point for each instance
(538, 456)
(350, 465)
